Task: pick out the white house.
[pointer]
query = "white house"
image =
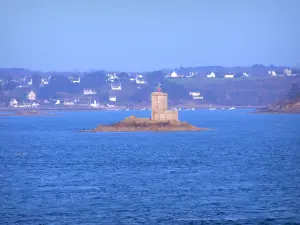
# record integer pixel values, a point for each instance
(230, 75)
(139, 79)
(196, 95)
(111, 77)
(245, 74)
(272, 73)
(95, 104)
(288, 72)
(13, 103)
(69, 102)
(31, 96)
(174, 75)
(116, 87)
(110, 106)
(34, 104)
(29, 104)
(29, 82)
(44, 81)
(113, 98)
(75, 79)
(89, 92)
(211, 75)
(192, 74)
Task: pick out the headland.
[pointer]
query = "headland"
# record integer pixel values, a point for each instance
(283, 107)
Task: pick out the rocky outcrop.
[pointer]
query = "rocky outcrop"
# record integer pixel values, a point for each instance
(287, 106)
(133, 124)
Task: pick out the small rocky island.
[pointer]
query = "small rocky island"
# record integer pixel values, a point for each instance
(161, 119)
(134, 124)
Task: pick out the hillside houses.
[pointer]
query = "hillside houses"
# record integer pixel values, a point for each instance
(116, 86)
(89, 92)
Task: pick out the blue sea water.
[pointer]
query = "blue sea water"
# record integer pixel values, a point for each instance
(246, 170)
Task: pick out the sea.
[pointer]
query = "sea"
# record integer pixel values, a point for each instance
(244, 170)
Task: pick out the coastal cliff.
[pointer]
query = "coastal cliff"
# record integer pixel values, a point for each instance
(134, 124)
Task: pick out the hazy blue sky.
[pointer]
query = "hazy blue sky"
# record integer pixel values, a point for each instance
(147, 34)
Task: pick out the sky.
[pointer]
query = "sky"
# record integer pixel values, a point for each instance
(144, 35)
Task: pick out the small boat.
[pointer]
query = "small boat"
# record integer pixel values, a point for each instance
(193, 108)
(212, 108)
(231, 108)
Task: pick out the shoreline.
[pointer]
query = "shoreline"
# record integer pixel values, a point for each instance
(4, 109)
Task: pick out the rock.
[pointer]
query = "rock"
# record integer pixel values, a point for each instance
(134, 124)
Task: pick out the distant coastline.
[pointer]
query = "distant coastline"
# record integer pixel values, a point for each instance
(146, 107)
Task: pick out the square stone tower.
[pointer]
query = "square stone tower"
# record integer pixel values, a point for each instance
(160, 112)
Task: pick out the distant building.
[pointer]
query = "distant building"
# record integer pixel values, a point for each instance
(44, 81)
(196, 95)
(272, 73)
(288, 72)
(174, 75)
(75, 79)
(68, 102)
(245, 74)
(116, 86)
(160, 112)
(31, 96)
(95, 104)
(89, 92)
(110, 106)
(192, 74)
(140, 79)
(29, 82)
(29, 104)
(229, 75)
(112, 98)
(13, 103)
(111, 77)
(211, 75)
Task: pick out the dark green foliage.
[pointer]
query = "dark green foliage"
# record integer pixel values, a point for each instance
(36, 80)
(58, 84)
(93, 80)
(294, 92)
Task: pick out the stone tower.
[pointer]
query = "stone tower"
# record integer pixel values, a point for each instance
(159, 104)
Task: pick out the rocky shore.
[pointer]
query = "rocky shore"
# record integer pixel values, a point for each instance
(283, 107)
(28, 113)
(134, 124)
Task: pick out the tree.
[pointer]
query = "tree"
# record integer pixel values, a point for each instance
(36, 81)
(58, 83)
(123, 76)
(9, 83)
(1, 96)
(93, 80)
(294, 92)
(155, 77)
